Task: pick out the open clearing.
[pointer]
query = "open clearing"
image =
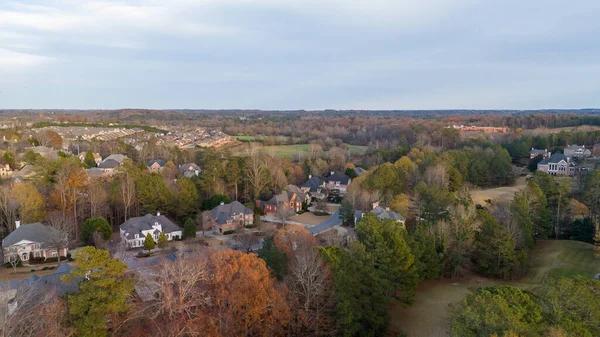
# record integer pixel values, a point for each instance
(428, 316)
(292, 150)
(480, 196)
(545, 131)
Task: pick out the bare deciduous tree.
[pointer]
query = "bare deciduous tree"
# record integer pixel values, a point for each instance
(59, 236)
(37, 310)
(284, 214)
(257, 173)
(247, 240)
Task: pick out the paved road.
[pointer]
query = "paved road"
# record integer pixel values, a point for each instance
(326, 225)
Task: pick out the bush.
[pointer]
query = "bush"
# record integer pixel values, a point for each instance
(32, 271)
(143, 254)
(250, 226)
(228, 232)
(176, 238)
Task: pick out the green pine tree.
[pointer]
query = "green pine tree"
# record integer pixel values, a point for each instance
(149, 243)
(189, 229)
(162, 240)
(103, 293)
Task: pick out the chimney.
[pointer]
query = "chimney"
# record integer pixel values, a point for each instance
(157, 213)
(17, 223)
(332, 172)
(387, 209)
(309, 176)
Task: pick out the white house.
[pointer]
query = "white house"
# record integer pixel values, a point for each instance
(134, 230)
(557, 164)
(576, 151)
(35, 239)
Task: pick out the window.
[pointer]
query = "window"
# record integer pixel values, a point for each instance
(54, 254)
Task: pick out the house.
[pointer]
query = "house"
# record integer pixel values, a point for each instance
(229, 217)
(156, 165)
(338, 180)
(34, 239)
(97, 157)
(134, 230)
(303, 196)
(5, 171)
(108, 166)
(315, 187)
(189, 170)
(557, 164)
(535, 152)
(381, 213)
(284, 199)
(120, 158)
(359, 171)
(576, 151)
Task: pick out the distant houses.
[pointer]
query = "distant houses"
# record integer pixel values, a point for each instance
(381, 214)
(190, 170)
(156, 165)
(577, 151)
(535, 152)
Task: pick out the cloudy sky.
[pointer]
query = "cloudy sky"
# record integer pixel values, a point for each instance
(300, 54)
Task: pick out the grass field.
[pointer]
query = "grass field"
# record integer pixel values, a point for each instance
(245, 138)
(428, 316)
(292, 150)
(480, 196)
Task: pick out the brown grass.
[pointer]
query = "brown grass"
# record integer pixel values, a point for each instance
(480, 196)
(7, 274)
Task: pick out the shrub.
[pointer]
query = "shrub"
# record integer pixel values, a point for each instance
(228, 232)
(32, 270)
(250, 226)
(189, 229)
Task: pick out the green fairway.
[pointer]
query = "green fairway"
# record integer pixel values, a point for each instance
(245, 138)
(292, 150)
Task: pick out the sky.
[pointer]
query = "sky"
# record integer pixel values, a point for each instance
(300, 54)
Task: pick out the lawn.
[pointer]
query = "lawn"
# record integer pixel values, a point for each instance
(292, 150)
(245, 138)
(428, 316)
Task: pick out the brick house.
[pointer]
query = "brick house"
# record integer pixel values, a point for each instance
(33, 239)
(284, 199)
(228, 217)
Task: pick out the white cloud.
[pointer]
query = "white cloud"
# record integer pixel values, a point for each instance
(11, 60)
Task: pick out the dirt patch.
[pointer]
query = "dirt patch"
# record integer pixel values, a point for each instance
(480, 196)
(309, 218)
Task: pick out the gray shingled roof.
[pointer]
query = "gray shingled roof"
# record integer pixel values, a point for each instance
(224, 212)
(554, 159)
(381, 214)
(189, 167)
(160, 162)
(340, 177)
(314, 183)
(109, 163)
(35, 232)
(359, 171)
(118, 157)
(143, 223)
(295, 189)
